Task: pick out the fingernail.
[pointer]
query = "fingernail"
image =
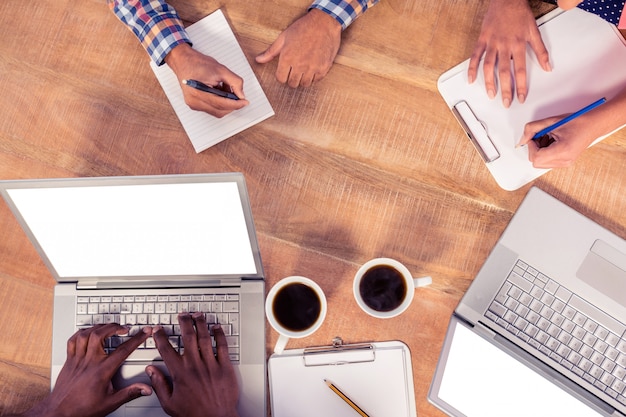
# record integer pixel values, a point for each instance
(216, 326)
(149, 372)
(197, 315)
(470, 79)
(491, 94)
(157, 328)
(521, 98)
(145, 392)
(147, 330)
(506, 102)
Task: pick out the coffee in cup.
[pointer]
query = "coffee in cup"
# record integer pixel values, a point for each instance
(384, 287)
(295, 307)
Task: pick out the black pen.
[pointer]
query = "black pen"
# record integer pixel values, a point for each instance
(207, 89)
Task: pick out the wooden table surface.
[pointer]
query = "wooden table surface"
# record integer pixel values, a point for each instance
(367, 163)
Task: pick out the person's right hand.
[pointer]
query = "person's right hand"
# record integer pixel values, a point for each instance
(187, 63)
(203, 384)
(507, 27)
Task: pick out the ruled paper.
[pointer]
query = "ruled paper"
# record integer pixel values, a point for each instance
(213, 36)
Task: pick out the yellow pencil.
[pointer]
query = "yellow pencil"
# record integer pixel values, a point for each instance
(345, 398)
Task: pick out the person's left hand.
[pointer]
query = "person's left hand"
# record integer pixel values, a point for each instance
(508, 27)
(305, 50)
(84, 386)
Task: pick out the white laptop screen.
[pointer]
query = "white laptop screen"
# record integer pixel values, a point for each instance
(481, 380)
(139, 229)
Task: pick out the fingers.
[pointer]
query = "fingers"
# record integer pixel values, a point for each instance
(127, 394)
(530, 129)
(212, 104)
(273, 51)
(204, 338)
(539, 48)
(188, 334)
(474, 62)
(507, 86)
(519, 69)
(489, 72)
(161, 386)
(87, 341)
(294, 78)
(283, 71)
(222, 346)
(125, 349)
(167, 352)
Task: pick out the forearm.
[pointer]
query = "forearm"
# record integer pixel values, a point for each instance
(606, 118)
(154, 23)
(345, 12)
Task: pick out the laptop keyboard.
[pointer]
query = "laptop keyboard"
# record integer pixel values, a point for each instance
(564, 327)
(137, 311)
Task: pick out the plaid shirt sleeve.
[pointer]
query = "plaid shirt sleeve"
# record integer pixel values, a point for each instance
(344, 11)
(154, 22)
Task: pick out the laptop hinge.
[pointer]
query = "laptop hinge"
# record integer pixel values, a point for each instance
(159, 283)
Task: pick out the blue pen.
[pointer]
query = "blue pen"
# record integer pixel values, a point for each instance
(568, 118)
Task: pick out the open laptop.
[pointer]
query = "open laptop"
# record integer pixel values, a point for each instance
(541, 330)
(139, 250)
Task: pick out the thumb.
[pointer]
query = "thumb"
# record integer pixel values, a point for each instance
(161, 387)
(128, 394)
(530, 129)
(272, 52)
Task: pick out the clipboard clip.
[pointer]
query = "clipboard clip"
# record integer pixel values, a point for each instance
(339, 354)
(476, 131)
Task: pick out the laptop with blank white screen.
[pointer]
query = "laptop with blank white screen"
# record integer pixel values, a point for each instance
(140, 250)
(541, 329)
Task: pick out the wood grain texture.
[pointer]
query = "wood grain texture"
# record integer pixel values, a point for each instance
(368, 162)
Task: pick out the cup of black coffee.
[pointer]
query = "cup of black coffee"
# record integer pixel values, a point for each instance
(384, 288)
(295, 307)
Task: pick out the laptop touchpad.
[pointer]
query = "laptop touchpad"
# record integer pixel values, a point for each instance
(604, 268)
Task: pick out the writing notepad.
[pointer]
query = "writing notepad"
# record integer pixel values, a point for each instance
(588, 57)
(379, 381)
(213, 36)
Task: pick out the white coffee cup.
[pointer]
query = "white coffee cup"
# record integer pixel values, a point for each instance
(384, 288)
(295, 307)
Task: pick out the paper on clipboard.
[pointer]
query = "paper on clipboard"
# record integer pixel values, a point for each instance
(587, 55)
(378, 377)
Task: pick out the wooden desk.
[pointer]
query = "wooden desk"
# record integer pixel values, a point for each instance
(367, 163)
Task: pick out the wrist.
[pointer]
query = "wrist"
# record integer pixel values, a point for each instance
(330, 18)
(177, 55)
(325, 20)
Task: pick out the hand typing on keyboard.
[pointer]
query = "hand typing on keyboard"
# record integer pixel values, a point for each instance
(202, 383)
(84, 387)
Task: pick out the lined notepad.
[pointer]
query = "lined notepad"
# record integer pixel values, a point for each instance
(213, 36)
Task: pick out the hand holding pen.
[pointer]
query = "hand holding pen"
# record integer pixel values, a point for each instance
(189, 64)
(557, 141)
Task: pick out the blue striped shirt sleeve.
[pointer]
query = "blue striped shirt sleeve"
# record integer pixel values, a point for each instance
(155, 23)
(344, 11)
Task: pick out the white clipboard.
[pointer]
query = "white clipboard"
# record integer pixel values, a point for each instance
(588, 57)
(378, 377)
